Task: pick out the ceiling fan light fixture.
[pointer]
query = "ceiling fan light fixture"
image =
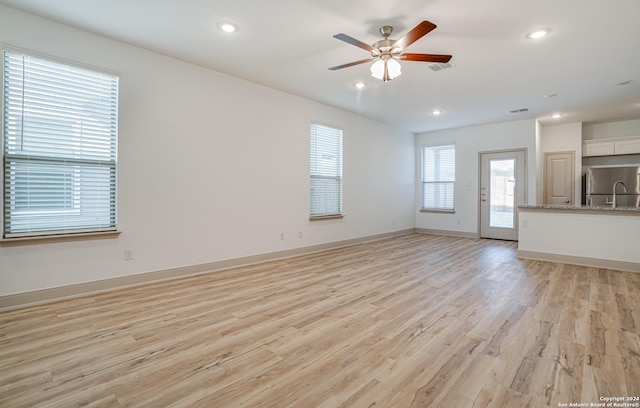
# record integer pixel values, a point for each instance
(386, 70)
(394, 68)
(377, 69)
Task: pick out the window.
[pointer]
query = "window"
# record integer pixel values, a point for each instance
(438, 177)
(59, 148)
(326, 171)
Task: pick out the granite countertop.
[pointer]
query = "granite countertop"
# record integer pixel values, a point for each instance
(606, 208)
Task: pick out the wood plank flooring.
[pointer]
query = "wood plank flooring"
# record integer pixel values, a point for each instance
(410, 321)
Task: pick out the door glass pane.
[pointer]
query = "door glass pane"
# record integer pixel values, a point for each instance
(502, 197)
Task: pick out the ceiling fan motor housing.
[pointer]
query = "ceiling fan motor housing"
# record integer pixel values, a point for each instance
(384, 48)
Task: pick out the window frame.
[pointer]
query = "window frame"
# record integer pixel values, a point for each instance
(439, 179)
(327, 173)
(52, 163)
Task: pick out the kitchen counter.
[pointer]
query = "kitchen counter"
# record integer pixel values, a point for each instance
(602, 236)
(583, 209)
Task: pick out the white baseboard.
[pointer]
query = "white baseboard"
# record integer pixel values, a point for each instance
(460, 234)
(19, 300)
(579, 260)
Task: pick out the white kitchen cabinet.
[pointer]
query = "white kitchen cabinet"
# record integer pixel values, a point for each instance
(627, 146)
(598, 148)
(610, 147)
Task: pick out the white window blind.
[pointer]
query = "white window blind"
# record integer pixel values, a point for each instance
(59, 155)
(438, 177)
(326, 171)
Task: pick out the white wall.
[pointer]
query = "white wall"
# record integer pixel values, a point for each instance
(564, 138)
(470, 141)
(539, 165)
(210, 168)
(608, 130)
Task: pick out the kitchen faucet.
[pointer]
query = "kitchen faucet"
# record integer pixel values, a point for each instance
(614, 202)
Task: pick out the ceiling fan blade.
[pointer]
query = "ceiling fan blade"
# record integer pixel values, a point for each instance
(412, 36)
(425, 57)
(351, 64)
(353, 41)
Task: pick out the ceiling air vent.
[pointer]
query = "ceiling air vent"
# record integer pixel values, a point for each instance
(439, 66)
(521, 110)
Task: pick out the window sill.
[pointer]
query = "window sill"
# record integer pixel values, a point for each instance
(427, 210)
(46, 239)
(326, 217)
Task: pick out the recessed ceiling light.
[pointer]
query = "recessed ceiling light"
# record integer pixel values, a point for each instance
(359, 85)
(552, 95)
(228, 27)
(538, 33)
(557, 115)
(436, 112)
(627, 82)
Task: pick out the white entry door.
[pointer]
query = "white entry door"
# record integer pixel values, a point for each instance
(502, 189)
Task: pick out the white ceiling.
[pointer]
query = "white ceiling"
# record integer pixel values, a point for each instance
(288, 45)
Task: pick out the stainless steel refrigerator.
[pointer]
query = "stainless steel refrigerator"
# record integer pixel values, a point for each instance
(602, 181)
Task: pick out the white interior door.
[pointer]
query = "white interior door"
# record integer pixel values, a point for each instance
(559, 181)
(502, 189)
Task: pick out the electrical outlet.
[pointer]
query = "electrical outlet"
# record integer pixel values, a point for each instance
(128, 254)
(299, 234)
(282, 236)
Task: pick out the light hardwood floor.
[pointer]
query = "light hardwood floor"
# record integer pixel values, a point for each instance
(411, 321)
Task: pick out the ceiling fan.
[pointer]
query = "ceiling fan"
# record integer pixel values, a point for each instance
(387, 52)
